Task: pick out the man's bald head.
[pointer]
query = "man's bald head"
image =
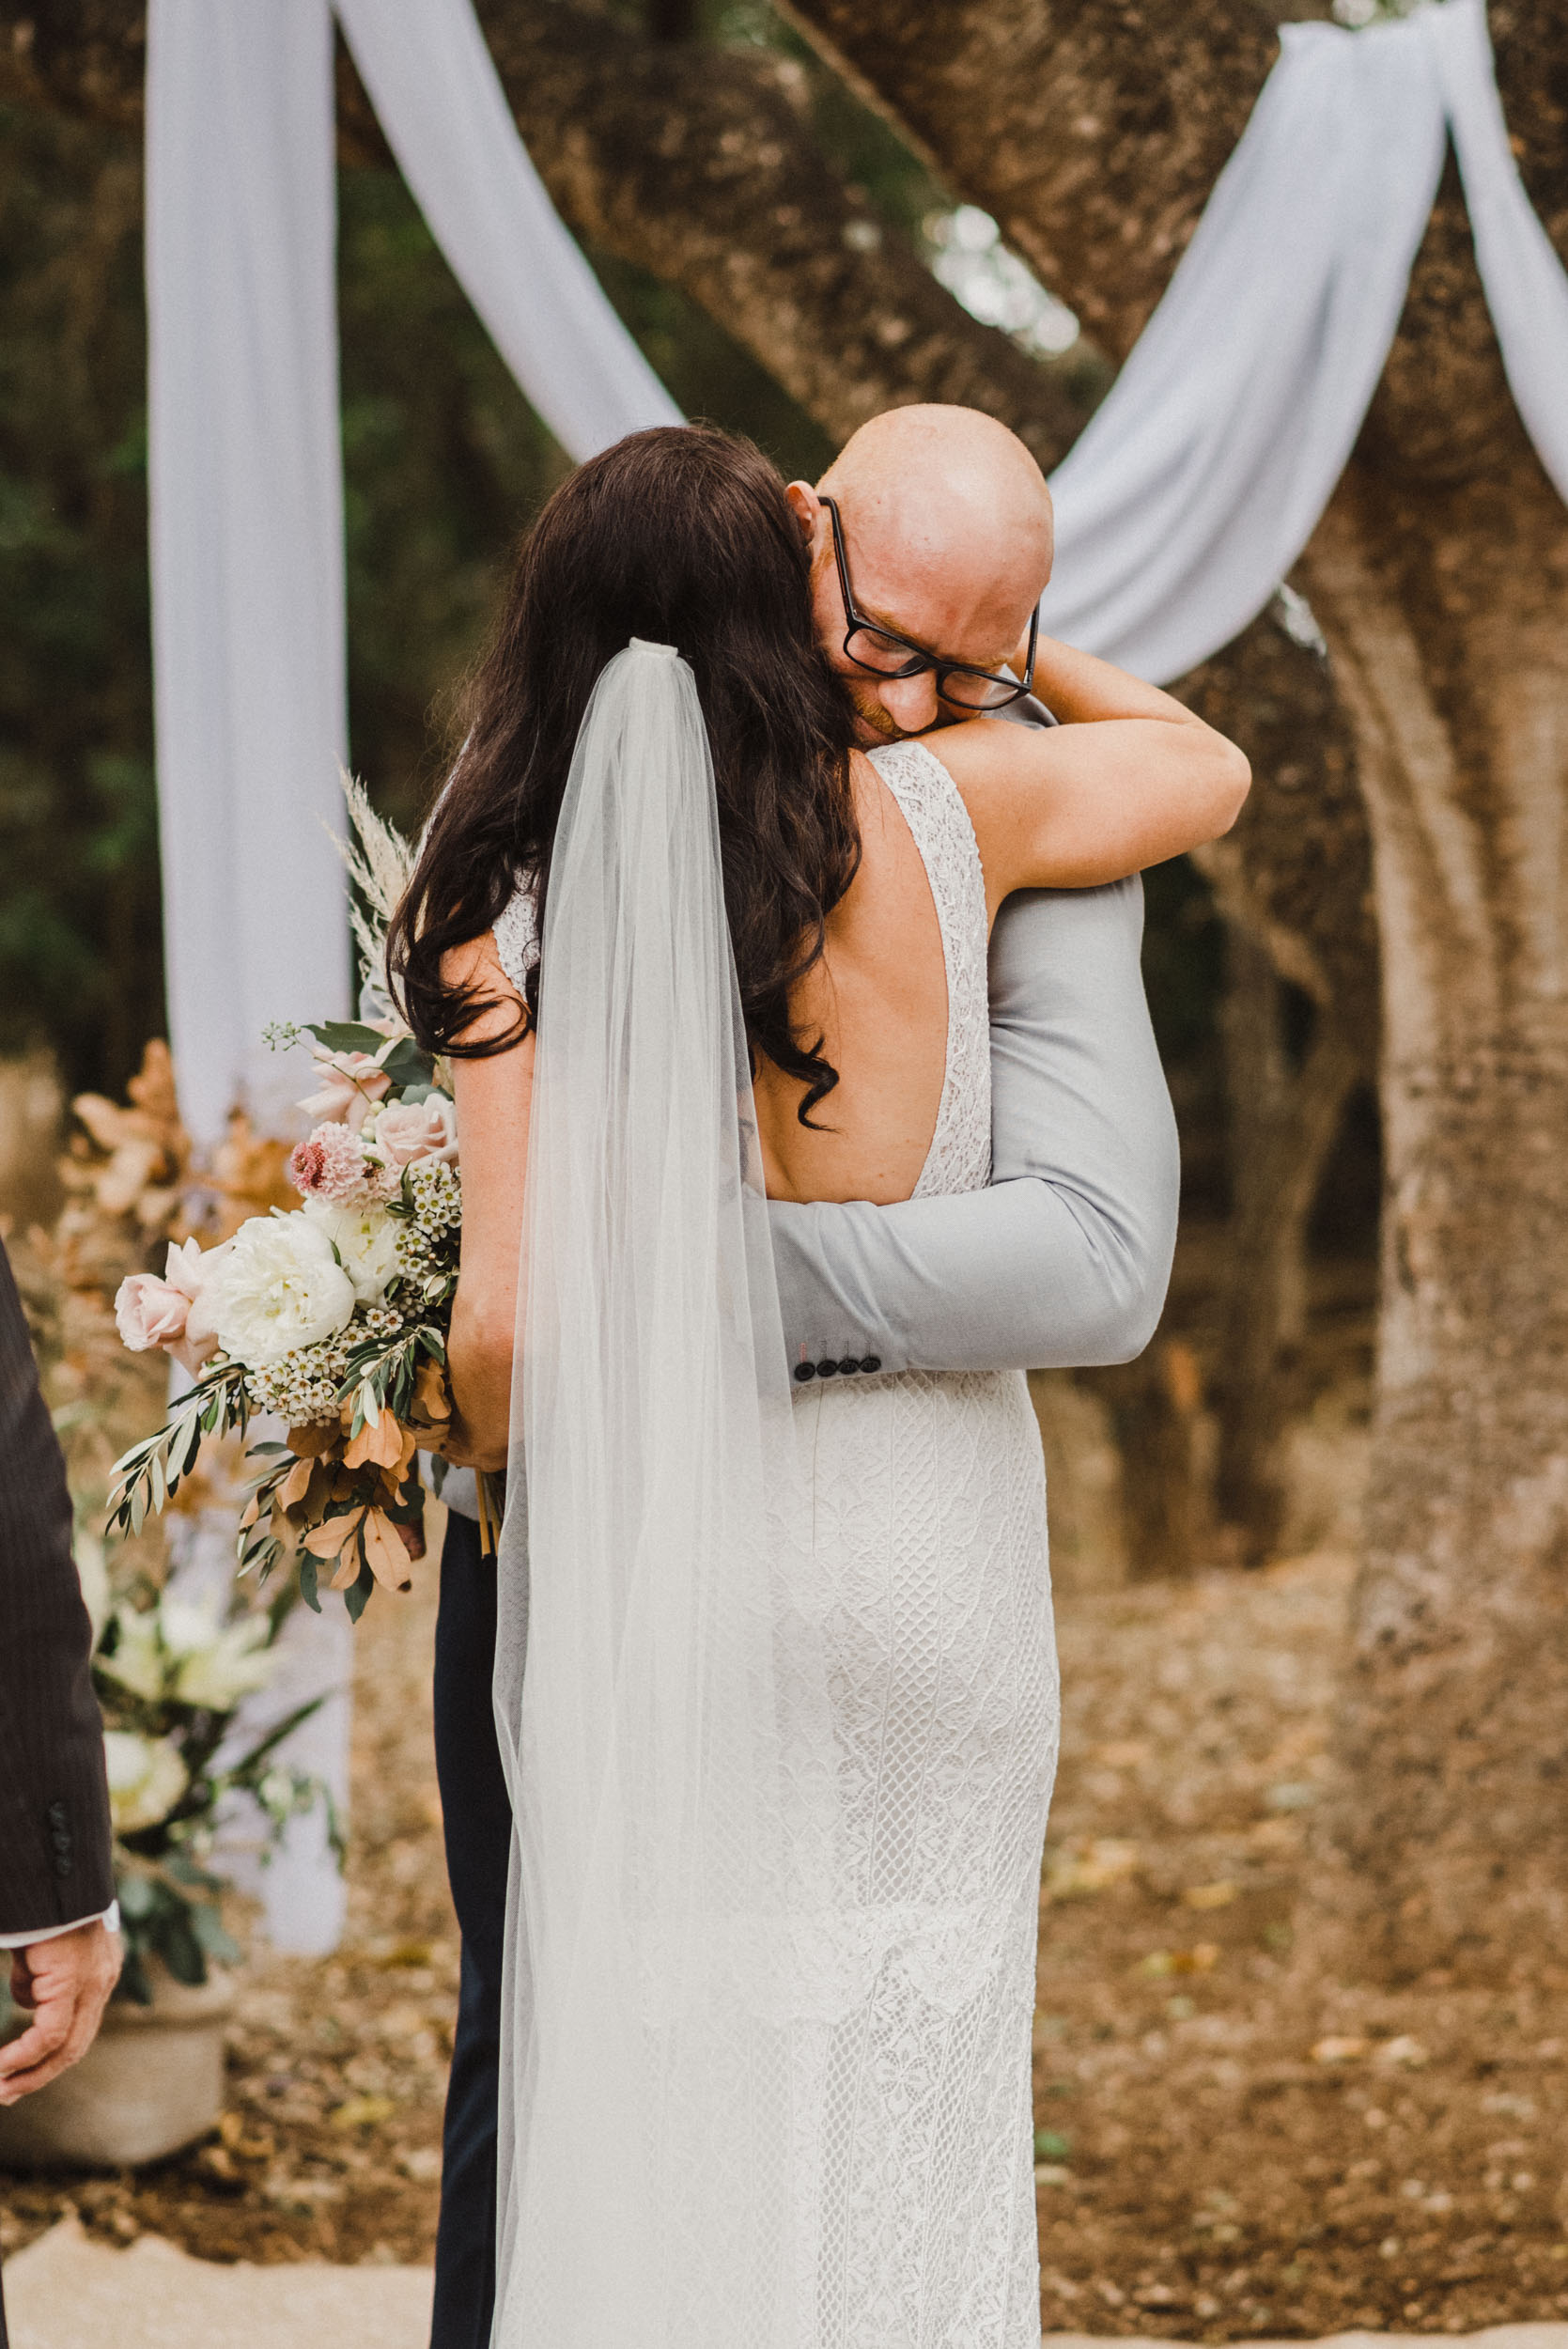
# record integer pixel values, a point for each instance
(947, 525)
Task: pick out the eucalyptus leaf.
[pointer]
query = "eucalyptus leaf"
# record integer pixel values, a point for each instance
(345, 1035)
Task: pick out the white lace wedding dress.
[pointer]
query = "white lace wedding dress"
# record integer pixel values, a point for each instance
(917, 2229)
(930, 1520)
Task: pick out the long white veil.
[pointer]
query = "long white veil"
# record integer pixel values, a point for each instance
(668, 1747)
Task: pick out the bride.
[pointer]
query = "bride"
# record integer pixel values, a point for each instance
(781, 1757)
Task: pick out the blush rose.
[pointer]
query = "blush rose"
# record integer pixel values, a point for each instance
(418, 1130)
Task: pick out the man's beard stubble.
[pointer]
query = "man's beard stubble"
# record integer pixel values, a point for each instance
(876, 726)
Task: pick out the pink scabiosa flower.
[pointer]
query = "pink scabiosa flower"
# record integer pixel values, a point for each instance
(332, 1166)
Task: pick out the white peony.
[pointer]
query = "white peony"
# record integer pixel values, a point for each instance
(365, 1239)
(137, 1662)
(279, 1288)
(146, 1778)
(213, 1664)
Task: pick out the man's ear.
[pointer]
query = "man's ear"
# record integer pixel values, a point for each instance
(806, 507)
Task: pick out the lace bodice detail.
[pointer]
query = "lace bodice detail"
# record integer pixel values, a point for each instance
(517, 937)
(932, 805)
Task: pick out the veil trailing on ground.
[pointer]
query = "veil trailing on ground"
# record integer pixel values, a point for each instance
(668, 1747)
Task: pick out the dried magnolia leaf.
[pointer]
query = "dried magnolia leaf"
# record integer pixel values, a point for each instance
(310, 1442)
(383, 1547)
(296, 1483)
(430, 1392)
(380, 1445)
(327, 1540)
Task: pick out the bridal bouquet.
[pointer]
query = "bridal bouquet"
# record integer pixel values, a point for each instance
(330, 1317)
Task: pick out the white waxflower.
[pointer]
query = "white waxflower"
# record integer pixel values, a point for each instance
(367, 1240)
(280, 1287)
(146, 1778)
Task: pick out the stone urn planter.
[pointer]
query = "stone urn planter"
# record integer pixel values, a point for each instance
(151, 2081)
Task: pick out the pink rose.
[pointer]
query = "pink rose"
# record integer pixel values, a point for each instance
(418, 1130)
(171, 1312)
(148, 1312)
(355, 1081)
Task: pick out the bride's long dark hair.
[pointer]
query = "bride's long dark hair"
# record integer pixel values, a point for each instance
(682, 536)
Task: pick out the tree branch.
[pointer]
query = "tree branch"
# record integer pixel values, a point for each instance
(699, 165)
(1094, 132)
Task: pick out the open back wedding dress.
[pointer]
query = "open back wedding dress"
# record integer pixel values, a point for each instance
(782, 1753)
(929, 1524)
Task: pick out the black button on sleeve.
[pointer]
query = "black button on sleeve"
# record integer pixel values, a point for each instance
(849, 1366)
(826, 1368)
(871, 1362)
(805, 1372)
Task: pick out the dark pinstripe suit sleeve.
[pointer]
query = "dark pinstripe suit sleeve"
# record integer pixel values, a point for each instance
(54, 1847)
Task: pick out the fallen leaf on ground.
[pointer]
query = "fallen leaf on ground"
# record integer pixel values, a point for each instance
(362, 2112)
(1090, 1867)
(1219, 1895)
(1336, 2050)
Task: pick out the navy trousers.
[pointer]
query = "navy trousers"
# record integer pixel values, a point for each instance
(478, 1823)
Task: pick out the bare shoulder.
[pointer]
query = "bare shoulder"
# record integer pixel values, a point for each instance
(476, 968)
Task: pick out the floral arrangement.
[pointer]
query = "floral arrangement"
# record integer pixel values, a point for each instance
(332, 1316)
(170, 1674)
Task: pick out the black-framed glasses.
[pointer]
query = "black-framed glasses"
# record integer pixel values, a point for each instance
(881, 652)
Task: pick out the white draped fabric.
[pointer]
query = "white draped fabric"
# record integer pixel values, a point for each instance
(1202, 475)
(247, 564)
(247, 538)
(246, 475)
(440, 103)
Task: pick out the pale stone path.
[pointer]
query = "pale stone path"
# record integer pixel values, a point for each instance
(66, 2293)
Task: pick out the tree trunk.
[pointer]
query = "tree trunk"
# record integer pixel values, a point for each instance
(1451, 644)
(1294, 883)
(1440, 576)
(1283, 1120)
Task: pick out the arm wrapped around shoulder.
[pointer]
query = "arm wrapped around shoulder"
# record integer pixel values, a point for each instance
(1065, 1260)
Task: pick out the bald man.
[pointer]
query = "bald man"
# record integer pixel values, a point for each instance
(944, 523)
(949, 521)
(938, 522)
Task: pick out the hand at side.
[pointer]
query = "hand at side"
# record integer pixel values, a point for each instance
(65, 1981)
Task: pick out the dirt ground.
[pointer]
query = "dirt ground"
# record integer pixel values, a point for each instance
(1222, 2152)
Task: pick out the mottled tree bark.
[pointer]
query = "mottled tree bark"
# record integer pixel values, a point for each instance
(1441, 578)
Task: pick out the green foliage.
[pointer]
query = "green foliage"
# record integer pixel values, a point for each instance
(80, 962)
(444, 464)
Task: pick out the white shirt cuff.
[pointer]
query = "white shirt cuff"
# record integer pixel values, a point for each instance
(109, 1916)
